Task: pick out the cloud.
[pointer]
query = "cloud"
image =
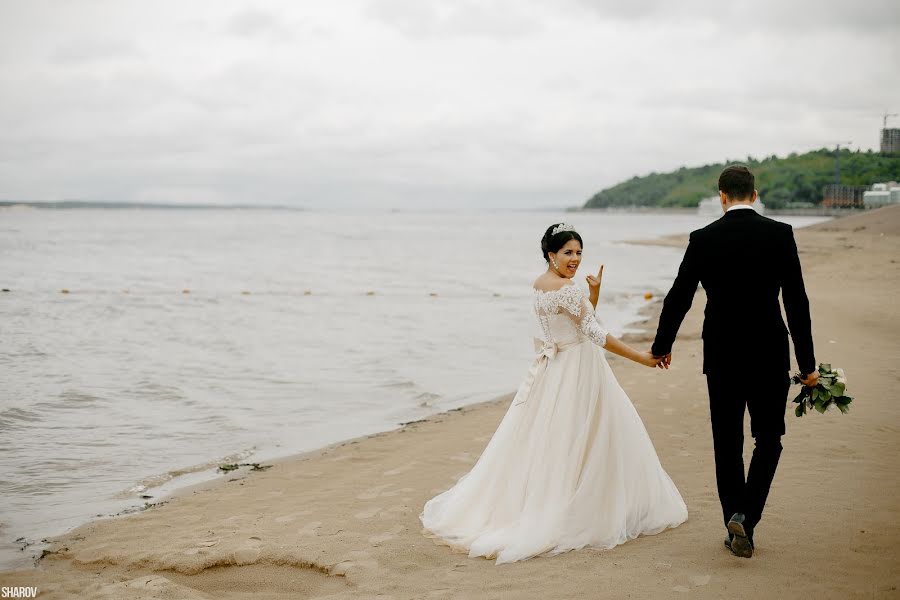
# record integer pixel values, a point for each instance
(739, 17)
(255, 23)
(95, 50)
(424, 19)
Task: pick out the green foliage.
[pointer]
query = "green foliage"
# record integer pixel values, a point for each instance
(830, 389)
(795, 178)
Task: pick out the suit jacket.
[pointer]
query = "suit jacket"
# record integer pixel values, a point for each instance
(743, 260)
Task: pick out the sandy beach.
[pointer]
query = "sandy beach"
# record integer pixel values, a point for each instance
(342, 522)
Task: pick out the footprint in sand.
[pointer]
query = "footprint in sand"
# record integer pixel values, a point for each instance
(309, 528)
(356, 560)
(368, 514)
(399, 470)
(696, 581)
(292, 517)
(373, 492)
(462, 457)
(390, 534)
(699, 580)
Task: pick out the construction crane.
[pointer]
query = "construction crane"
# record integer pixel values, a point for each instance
(886, 115)
(837, 162)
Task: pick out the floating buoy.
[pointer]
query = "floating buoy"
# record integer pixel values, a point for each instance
(496, 295)
(307, 292)
(245, 293)
(370, 293)
(648, 296)
(125, 291)
(185, 291)
(5, 289)
(64, 291)
(433, 294)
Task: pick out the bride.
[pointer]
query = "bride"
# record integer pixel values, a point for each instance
(570, 465)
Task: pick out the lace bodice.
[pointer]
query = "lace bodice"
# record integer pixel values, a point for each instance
(566, 314)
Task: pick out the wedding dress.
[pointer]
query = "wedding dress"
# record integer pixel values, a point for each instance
(570, 465)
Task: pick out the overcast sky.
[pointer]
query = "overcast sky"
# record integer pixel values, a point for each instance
(408, 103)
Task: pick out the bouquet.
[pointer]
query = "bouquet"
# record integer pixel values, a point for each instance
(831, 389)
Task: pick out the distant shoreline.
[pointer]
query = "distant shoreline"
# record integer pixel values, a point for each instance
(72, 204)
(780, 212)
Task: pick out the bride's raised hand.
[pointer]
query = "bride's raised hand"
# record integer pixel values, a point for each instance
(594, 281)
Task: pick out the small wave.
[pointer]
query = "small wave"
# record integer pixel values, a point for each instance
(155, 481)
(11, 416)
(427, 399)
(399, 385)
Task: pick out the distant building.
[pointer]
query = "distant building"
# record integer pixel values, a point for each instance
(843, 196)
(882, 194)
(890, 141)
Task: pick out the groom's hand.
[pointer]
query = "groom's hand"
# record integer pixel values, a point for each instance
(810, 380)
(664, 361)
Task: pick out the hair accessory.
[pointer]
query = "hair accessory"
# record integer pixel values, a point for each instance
(562, 227)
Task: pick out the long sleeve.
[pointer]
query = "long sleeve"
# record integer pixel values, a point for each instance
(577, 306)
(678, 301)
(796, 307)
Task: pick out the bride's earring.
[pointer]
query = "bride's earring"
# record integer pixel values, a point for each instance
(555, 266)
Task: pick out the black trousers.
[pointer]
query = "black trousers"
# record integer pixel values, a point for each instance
(765, 396)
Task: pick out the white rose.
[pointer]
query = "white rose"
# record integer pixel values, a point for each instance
(841, 378)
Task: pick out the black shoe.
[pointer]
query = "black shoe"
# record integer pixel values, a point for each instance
(741, 543)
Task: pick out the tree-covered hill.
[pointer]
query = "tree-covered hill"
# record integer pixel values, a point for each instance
(795, 178)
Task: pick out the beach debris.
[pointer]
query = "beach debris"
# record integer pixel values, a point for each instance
(433, 294)
(648, 296)
(245, 292)
(64, 291)
(185, 291)
(5, 289)
(125, 291)
(307, 292)
(496, 294)
(370, 293)
(234, 466)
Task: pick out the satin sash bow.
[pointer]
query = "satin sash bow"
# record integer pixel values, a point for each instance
(547, 351)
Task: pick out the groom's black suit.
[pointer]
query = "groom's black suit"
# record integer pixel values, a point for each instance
(743, 260)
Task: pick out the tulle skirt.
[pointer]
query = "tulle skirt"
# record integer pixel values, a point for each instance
(570, 467)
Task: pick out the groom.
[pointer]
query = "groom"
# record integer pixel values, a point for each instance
(743, 260)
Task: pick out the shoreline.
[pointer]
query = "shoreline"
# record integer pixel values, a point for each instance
(356, 501)
(211, 478)
(208, 478)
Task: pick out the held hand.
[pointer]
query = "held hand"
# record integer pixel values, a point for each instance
(663, 361)
(811, 380)
(648, 360)
(594, 281)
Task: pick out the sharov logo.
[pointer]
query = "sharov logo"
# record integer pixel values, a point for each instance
(18, 592)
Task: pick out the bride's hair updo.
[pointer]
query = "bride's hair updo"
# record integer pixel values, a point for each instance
(553, 243)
